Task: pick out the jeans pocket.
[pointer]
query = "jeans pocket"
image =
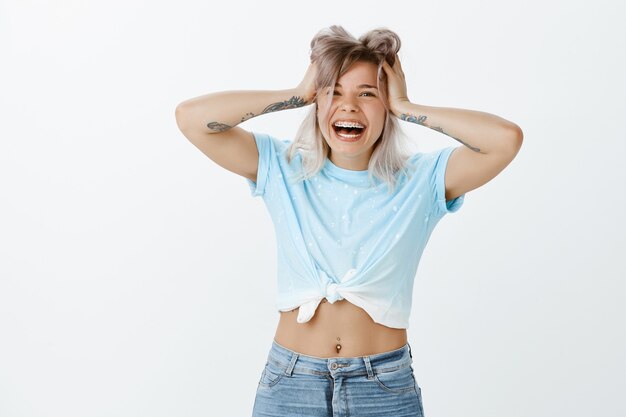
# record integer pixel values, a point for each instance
(272, 374)
(397, 381)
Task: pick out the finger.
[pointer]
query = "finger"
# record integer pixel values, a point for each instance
(390, 69)
(398, 65)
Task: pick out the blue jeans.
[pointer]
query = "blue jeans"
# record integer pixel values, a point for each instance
(297, 385)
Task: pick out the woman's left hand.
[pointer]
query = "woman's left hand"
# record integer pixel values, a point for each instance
(396, 85)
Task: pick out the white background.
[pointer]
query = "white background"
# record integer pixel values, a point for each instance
(137, 277)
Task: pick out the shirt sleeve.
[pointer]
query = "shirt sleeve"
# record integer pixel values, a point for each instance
(264, 146)
(438, 184)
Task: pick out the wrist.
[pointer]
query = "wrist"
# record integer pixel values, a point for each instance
(306, 96)
(400, 106)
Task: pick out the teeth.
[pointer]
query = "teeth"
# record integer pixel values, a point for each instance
(349, 136)
(348, 124)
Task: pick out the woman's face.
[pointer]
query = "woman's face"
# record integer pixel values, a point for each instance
(353, 101)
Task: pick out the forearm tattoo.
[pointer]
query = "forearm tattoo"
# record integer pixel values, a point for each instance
(421, 120)
(292, 103)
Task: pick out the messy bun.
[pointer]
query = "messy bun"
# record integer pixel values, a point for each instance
(384, 41)
(334, 50)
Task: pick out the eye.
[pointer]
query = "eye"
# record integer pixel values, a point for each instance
(365, 92)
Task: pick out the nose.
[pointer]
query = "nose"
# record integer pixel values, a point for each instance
(348, 103)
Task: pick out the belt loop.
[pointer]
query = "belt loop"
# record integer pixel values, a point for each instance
(292, 363)
(368, 366)
(410, 354)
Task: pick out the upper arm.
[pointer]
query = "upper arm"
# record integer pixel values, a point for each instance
(468, 170)
(233, 149)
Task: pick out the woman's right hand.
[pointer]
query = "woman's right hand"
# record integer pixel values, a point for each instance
(306, 88)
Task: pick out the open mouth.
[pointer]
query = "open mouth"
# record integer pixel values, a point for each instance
(350, 134)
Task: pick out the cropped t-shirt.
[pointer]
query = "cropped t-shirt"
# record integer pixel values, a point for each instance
(340, 237)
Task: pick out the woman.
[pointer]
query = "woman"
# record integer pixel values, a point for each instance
(353, 211)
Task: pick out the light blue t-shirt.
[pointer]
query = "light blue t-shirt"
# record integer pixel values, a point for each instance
(340, 237)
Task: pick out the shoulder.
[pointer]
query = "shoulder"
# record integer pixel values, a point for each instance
(271, 147)
(416, 160)
(274, 140)
(429, 158)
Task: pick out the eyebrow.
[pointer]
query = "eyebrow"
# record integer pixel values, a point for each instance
(362, 86)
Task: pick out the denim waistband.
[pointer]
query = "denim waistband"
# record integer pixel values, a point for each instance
(293, 361)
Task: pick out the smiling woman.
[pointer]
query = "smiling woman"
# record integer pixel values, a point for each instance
(353, 210)
(350, 85)
(360, 114)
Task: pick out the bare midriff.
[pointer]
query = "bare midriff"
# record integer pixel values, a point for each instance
(340, 329)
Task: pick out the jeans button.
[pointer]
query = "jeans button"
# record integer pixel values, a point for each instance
(333, 365)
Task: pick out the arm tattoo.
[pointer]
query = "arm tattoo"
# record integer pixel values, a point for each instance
(413, 119)
(292, 103)
(218, 127)
(421, 120)
(247, 116)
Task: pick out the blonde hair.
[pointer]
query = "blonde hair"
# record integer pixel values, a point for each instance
(335, 50)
